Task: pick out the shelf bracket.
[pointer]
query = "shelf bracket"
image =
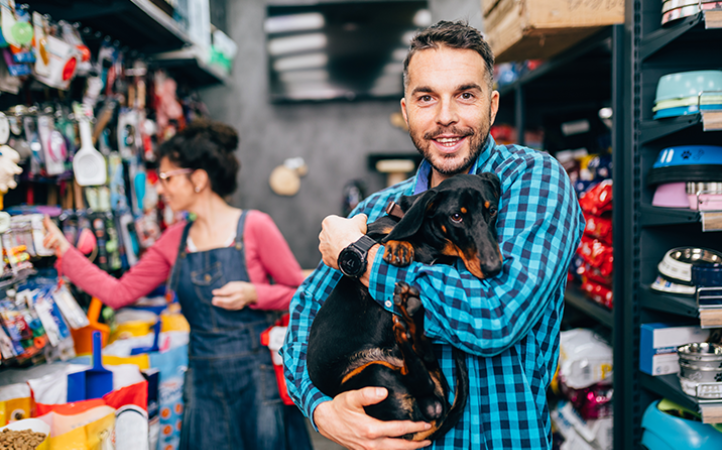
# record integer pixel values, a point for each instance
(660, 38)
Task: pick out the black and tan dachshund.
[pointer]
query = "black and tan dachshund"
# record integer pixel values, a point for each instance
(355, 343)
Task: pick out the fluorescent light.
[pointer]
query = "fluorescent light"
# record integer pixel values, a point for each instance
(294, 22)
(407, 37)
(422, 18)
(304, 75)
(321, 91)
(296, 44)
(301, 62)
(394, 68)
(400, 54)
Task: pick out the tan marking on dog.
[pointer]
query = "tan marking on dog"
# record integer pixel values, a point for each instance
(443, 228)
(464, 210)
(501, 258)
(387, 230)
(471, 261)
(360, 369)
(487, 204)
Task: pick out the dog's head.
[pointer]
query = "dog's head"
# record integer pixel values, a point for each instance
(459, 217)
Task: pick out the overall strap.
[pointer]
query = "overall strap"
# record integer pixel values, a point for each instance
(239, 231)
(173, 279)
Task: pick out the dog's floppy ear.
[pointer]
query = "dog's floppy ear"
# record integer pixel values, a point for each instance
(413, 218)
(494, 181)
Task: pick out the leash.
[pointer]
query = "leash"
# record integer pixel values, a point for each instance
(394, 210)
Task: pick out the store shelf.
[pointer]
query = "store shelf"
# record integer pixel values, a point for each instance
(139, 24)
(656, 216)
(191, 65)
(668, 386)
(664, 36)
(575, 297)
(567, 58)
(651, 130)
(669, 303)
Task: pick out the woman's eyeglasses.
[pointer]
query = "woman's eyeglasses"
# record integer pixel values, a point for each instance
(166, 176)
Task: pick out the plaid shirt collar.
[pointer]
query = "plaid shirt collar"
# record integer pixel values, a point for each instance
(423, 174)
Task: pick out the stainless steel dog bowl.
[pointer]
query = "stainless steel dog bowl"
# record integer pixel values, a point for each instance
(700, 351)
(699, 375)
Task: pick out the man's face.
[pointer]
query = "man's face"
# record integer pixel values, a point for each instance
(449, 108)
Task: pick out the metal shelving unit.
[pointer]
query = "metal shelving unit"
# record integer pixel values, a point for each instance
(573, 296)
(142, 26)
(644, 232)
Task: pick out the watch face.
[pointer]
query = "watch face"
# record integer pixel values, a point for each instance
(350, 262)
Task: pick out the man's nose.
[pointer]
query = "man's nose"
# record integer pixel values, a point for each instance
(447, 113)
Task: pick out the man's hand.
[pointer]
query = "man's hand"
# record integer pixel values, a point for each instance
(344, 421)
(338, 233)
(235, 295)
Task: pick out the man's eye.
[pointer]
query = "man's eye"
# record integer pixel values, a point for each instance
(456, 218)
(467, 96)
(425, 98)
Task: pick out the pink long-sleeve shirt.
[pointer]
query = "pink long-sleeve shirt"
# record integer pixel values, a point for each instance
(267, 256)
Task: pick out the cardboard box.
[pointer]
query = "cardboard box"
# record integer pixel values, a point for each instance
(540, 29)
(658, 346)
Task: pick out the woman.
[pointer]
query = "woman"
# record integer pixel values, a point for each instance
(220, 266)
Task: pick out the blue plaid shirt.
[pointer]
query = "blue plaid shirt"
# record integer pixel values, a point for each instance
(508, 325)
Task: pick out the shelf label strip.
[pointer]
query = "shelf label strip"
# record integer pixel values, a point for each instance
(712, 120)
(713, 19)
(711, 220)
(710, 318)
(711, 413)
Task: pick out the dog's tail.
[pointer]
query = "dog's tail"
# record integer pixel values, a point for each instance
(460, 397)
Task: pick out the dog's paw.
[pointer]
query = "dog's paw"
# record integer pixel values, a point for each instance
(400, 331)
(399, 253)
(406, 297)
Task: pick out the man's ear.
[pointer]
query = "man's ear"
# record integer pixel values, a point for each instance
(493, 181)
(413, 218)
(403, 111)
(493, 106)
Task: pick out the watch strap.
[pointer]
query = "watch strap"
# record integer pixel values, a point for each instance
(364, 244)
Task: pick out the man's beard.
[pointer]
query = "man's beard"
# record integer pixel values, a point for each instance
(477, 141)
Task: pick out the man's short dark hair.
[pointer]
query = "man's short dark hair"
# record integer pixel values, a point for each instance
(457, 35)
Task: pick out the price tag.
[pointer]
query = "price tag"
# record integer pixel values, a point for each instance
(713, 19)
(711, 220)
(711, 413)
(712, 120)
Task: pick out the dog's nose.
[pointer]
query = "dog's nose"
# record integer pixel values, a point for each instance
(492, 268)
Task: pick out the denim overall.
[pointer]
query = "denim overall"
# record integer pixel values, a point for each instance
(230, 393)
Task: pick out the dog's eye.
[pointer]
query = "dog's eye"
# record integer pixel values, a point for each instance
(456, 218)
(492, 211)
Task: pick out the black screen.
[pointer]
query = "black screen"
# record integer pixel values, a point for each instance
(349, 50)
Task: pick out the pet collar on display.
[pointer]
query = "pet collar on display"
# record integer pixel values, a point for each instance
(663, 431)
(677, 263)
(687, 163)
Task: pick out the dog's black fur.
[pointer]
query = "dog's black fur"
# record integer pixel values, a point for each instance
(355, 343)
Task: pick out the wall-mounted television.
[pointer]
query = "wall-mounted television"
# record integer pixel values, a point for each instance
(349, 50)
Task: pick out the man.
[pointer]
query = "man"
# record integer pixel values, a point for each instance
(508, 325)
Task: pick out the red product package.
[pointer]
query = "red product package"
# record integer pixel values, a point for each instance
(589, 273)
(598, 227)
(598, 293)
(597, 254)
(598, 199)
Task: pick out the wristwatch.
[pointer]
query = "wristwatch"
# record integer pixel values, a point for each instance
(352, 259)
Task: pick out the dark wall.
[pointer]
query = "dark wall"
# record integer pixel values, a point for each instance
(333, 138)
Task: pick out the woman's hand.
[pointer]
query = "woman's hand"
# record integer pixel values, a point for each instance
(235, 295)
(54, 238)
